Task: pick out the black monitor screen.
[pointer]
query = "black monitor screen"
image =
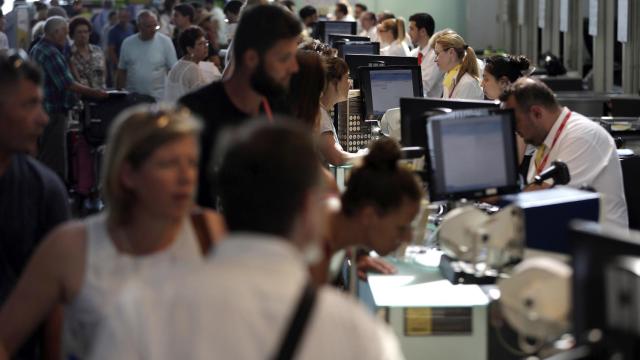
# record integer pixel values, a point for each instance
(606, 291)
(345, 37)
(335, 27)
(414, 111)
(382, 87)
(471, 154)
(357, 47)
(356, 61)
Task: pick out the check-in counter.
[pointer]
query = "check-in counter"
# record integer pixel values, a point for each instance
(432, 318)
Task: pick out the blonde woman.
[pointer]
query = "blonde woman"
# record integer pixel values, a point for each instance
(391, 34)
(149, 181)
(459, 63)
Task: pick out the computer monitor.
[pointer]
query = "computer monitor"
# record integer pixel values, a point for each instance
(324, 28)
(357, 47)
(382, 87)
(471, 154)
(346, 37)
(606, 286)
(414, 112)
(356, 61)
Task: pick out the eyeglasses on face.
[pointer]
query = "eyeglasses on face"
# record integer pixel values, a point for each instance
(441, 52)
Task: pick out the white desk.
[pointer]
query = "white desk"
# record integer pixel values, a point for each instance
(448, 321)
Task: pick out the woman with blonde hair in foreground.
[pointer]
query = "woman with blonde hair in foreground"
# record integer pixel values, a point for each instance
(149, 181)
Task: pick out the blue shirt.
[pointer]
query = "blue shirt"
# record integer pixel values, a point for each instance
(117, 35)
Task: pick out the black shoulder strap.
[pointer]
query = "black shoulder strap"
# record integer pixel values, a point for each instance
(298, 324)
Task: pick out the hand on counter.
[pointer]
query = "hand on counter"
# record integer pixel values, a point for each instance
(366, 263)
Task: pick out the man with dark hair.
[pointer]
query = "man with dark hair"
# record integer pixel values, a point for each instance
(182, 18)
(359, 9)
(561, 134)
(368, 23)
(309, 16)
(241, 303)
(60, 92)
(232, 12)
(264, 53)
(341, 13)
(33, 200)
(421, 28)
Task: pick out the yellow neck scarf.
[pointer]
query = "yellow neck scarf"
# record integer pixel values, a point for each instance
(450, 75)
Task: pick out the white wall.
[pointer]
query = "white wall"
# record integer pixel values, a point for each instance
(482, 24)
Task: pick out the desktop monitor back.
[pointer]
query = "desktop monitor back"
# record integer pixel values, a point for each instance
(383, 86)
(325, 28)
(356, 61)
(357, 47)
(606, 286)
(414, 113)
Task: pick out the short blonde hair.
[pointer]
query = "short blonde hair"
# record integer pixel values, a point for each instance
(133, 137)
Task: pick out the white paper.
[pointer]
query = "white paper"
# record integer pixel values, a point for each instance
(542, 13)
(564, 15)
(623, 20)
(520, 12)
(593, 17)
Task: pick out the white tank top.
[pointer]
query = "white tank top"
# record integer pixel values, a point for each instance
(106, 272)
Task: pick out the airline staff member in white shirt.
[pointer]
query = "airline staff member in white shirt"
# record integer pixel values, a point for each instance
(564, 135)
(341, 13)
(392, 36)
(458, 62)
(239, 305)
(368, 22)
(421, 27)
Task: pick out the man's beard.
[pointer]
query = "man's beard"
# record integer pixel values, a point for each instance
(265, 85)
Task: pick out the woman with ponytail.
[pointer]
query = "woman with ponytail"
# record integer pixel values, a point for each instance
(500, 71)
(391, 33)
(380, 201)
(458, 62)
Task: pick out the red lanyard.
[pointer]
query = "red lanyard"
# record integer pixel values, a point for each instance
(267, 109)
(553, 143)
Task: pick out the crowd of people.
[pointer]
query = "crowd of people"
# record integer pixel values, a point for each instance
(221, 218)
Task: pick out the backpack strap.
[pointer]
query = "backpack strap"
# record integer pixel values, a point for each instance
(298, 324)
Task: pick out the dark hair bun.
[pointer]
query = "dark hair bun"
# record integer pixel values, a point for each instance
(522, 62)
(383, 155)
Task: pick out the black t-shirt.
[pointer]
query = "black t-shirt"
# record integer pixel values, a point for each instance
(212, 104)
(32, 202)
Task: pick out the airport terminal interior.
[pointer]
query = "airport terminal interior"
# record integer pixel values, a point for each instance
(320, 179)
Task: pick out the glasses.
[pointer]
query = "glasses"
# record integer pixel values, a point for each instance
(202, 43)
